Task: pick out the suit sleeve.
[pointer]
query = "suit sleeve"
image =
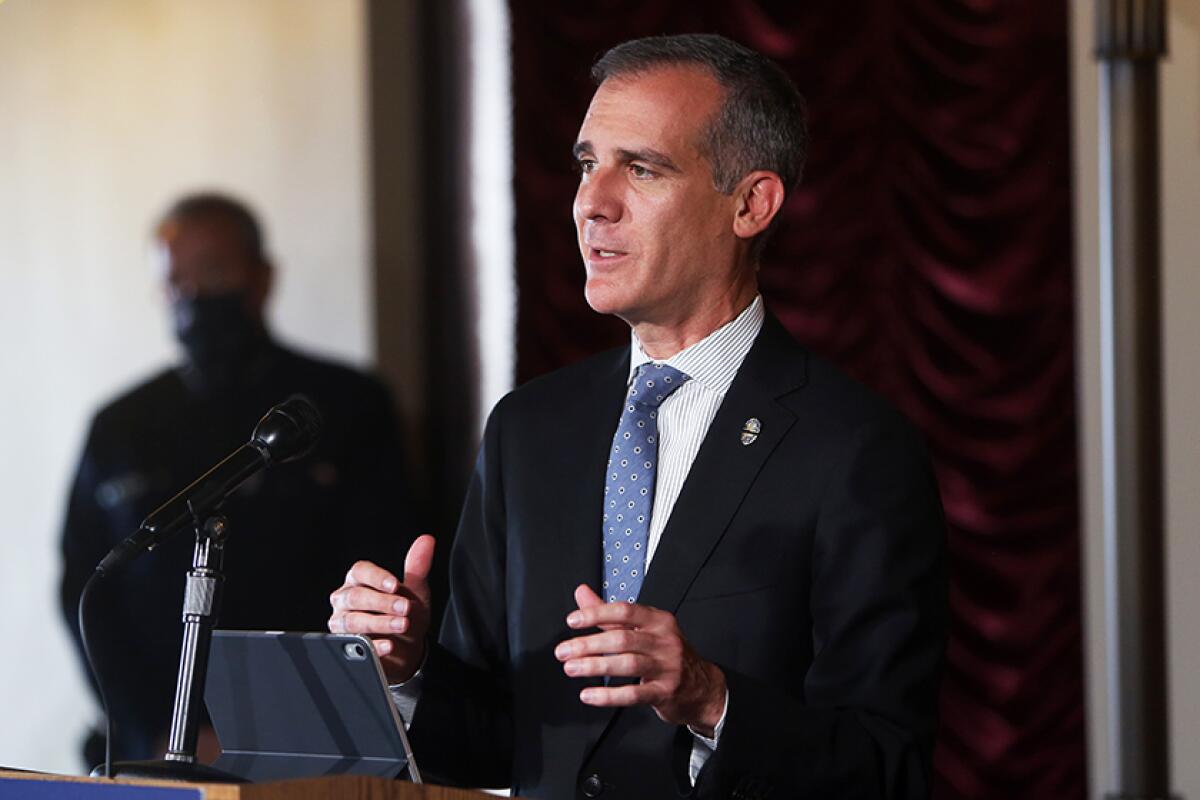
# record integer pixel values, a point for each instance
(462, 729)
(860, 722)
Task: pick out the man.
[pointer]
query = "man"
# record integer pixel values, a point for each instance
(753, 605)
(286, 525)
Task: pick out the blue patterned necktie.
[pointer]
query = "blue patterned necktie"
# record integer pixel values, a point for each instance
(629, 490)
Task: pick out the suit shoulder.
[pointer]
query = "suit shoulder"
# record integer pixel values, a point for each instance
(327, 371)
(150, 395)
(841, 402)
(553, 387)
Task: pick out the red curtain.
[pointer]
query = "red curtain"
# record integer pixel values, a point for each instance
(928, 252)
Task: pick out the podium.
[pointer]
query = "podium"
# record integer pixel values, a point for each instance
(43, 786)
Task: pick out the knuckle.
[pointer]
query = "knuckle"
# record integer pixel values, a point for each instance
(358, 598)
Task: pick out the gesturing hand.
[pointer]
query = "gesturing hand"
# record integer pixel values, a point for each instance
(642, 642)
(394, 614)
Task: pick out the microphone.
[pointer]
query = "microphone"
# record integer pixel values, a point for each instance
(285, 433)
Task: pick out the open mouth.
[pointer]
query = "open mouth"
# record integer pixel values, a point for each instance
(598, 254)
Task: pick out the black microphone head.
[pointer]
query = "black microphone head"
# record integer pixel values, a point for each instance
(289, 430)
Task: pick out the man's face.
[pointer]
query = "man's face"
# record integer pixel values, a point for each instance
(205, 258)
(656, 236)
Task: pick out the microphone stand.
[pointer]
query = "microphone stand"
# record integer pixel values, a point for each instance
(201, 602)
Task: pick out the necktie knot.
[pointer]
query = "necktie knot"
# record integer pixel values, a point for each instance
(654, 383)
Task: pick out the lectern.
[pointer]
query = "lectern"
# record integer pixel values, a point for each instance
(41, 786)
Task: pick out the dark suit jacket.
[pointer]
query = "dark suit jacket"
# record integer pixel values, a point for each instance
(809, 565)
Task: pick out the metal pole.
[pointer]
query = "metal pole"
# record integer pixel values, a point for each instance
(201, 602)
(1131, 39)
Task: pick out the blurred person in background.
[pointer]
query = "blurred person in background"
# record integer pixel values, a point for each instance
(293, 528)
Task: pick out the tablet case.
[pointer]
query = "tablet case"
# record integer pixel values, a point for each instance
(303, 705)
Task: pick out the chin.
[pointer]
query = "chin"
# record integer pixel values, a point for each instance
(609, 296)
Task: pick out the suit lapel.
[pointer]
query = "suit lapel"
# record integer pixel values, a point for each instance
(720, 477)
(725, 468)
(594, 417)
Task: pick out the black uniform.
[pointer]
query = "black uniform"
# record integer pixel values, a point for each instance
(294, 529)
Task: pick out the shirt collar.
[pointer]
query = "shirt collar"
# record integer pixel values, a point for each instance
(714, 360)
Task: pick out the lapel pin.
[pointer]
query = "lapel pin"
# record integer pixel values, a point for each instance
(751, 428)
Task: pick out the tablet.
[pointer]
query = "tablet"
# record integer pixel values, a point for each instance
(303, 705)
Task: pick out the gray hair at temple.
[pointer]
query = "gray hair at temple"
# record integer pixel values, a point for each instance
(761, 123)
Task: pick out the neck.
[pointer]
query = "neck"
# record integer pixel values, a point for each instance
(661, 339)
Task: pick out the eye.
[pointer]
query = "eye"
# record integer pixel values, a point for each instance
(639, 171)
(585, 165)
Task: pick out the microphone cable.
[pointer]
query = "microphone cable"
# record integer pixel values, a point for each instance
(87, 652)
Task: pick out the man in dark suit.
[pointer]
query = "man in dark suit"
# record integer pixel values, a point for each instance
(149, 443)
(707, 564)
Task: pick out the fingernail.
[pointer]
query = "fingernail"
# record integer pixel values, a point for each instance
(562, 651)
(587, 695)
(571, 667)
(574, 618)
(389, 585)
(384, 647)
(398, 623)
(400, 606)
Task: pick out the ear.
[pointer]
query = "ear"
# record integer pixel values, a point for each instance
(759, 198)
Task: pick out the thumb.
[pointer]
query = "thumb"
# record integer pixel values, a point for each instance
(586, 597)
(417, 564)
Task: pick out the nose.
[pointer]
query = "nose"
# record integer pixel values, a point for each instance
(598, 197)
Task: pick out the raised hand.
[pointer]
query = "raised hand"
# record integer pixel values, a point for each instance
(393, 613)
(642, 642)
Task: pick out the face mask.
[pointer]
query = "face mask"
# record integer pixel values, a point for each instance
(216, 331)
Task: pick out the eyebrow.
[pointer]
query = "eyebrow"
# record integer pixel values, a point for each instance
(646, 154)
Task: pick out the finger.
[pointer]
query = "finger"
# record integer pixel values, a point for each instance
(586, 597)
(634, 694)
(418, 563)
(620, 640)
(630, 665)
(628, 614)
(362, 598)
(366, 573)
(370, 624)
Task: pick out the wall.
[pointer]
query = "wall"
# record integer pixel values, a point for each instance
(1180, 121)
(107, 110)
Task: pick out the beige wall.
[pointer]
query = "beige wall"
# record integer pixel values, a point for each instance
(1181, 332)
(108, 109)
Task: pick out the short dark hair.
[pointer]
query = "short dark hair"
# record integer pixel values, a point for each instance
(761, 123)
(208, 206)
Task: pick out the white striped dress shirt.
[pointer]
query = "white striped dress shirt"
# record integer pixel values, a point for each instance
(683, 420)
(684, 417)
